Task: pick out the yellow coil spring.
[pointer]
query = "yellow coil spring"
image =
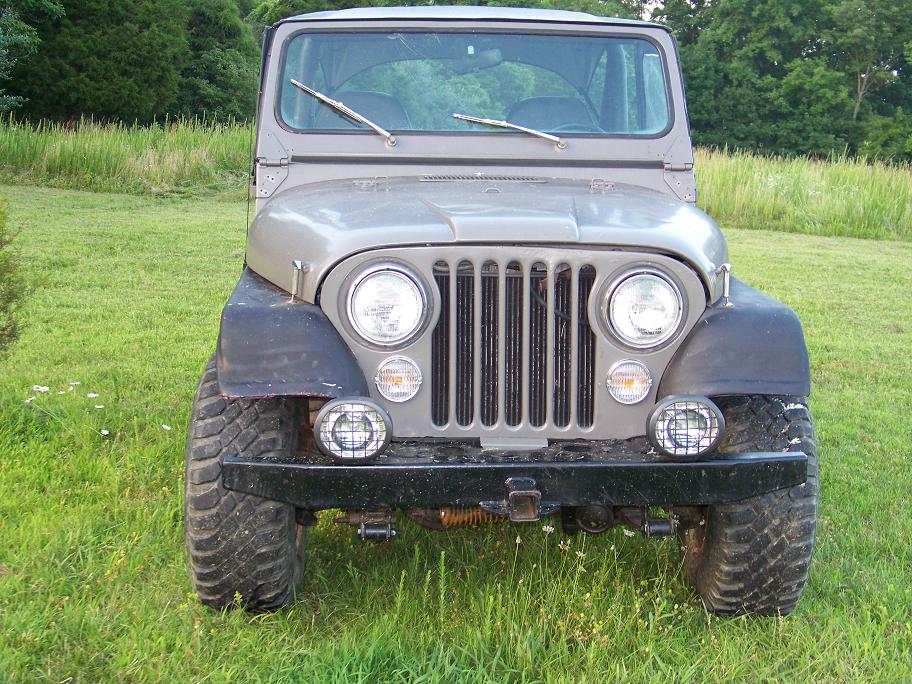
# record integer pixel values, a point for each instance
(454, 516)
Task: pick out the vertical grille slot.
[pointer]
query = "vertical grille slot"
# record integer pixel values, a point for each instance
(538, 343)
(513, 327)
(564, 337)
(465, 335)
(513, 345)
(440, 349)
(488, 334)
(585, 352)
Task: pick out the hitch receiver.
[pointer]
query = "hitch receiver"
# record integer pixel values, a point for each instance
(523, 502)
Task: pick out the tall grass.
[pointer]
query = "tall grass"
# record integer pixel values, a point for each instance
(183, 156)
(837, 197)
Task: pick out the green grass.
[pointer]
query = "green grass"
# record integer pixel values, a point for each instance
(93, 582)
(840, 197)
(181, 158)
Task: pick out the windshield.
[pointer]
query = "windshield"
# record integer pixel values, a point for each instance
(565, 84)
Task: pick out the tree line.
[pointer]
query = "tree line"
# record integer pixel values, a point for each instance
(782, 76)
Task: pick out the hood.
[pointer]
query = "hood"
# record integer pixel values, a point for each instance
(323, 223)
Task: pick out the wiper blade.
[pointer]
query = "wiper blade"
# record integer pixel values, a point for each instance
(347, 111)
(516, 127)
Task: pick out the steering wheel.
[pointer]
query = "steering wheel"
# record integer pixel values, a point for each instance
(576, 128)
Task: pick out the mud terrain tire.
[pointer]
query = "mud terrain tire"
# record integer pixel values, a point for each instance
(242, 549)
(752, 556)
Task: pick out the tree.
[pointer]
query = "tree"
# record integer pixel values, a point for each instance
(112, 60)
(870, 39)
(18, 39)
(219, 80)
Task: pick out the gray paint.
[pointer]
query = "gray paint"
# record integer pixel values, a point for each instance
(323, 223)
(326, 155)
(467, 12)
(612, 420)
(340, 199)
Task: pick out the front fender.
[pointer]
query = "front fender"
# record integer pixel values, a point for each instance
(755, 346)
(271, 346)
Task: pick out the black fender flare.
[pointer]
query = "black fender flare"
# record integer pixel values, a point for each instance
(270, 346)
(754, 346)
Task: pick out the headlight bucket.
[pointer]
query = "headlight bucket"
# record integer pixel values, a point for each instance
(685, 426)
(387, 305)
(643, 308)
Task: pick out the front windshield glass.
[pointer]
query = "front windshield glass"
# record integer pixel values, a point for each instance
(416, 81)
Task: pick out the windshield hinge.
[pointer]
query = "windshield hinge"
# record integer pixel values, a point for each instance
(267, 182)
(669, 166)
(272, 163)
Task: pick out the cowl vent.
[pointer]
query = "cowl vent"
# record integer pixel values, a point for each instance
(430, 178)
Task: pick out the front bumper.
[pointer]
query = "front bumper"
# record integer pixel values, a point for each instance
(430, 476)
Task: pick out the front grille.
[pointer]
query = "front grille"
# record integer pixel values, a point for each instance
(513, 344)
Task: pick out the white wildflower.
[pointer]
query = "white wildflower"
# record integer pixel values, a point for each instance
(40, 388)
(629, 533)
(61, 392)
(30, 400)
(563, 546)
(75, 383)
(165, 427)
(518, 540)
(104, 433)
(580, 554)
(548, 529)
(99, 406)
(91, 395)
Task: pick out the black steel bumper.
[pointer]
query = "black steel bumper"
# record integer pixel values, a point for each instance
(419, 483)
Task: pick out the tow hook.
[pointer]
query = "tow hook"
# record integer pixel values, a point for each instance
(523, 502)
(376, 526)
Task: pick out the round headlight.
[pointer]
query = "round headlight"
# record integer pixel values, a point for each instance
(685, 426)
(398, 378)
(352, 430)
(386, 306)
(645, 309)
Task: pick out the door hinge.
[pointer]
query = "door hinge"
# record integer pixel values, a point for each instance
(687, 166)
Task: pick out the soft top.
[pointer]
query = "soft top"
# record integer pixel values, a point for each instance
(468, 12)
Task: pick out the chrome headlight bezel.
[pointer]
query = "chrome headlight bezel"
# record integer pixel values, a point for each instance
(358, 280)
(669, 335)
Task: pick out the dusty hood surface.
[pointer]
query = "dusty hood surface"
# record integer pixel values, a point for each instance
(324, 223)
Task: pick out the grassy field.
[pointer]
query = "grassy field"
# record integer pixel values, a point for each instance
(839, 197)
(93, 583)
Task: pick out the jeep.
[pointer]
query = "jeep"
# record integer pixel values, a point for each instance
(477, 288)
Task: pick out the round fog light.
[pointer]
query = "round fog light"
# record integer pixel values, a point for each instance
(398, 378)
(685, 426)
(629, 381)
(352, 430)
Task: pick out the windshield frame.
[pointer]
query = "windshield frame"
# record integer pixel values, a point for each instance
(607, 33)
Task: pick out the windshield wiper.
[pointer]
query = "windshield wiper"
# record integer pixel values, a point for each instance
(516, 127)
(347, 111)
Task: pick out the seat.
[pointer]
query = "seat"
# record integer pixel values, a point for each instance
(384, 110)
(549, 112)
